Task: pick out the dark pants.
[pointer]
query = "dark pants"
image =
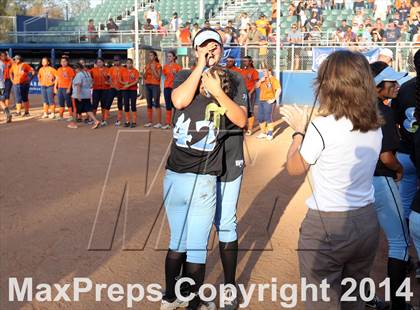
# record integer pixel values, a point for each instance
(130, 99)
(83, 106)
(21, 92)
(8, 85)
(167, 93)
(153, 95)
(101, 96)
(116, 93)
(342, 245)
(251, 103)
(64, 98)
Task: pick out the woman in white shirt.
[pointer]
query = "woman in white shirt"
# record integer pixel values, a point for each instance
(339, 235)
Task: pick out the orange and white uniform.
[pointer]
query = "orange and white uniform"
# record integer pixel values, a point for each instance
(47, 76)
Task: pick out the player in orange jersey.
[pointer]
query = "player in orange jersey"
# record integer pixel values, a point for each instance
(101, 89)
(46, 79)
(7, 61)
(116, 72)
(62, 87)
(130, 79)
(169, 71)
(251, 77)
(21, 75)
(152, 74)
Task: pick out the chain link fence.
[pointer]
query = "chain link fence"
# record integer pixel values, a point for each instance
(299, 57)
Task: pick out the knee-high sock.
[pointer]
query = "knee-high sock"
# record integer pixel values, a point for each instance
(52, 109)
(263, 127)
(229, 257)
(127, 117)
(18, 107)
(45, 108)
(196, 272)
(173, 264)
(396, 272)
(251, 122)
(134, 117)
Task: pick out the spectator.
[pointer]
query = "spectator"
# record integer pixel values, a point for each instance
(291, 10)
(312, 22)
(386, 55)
(263, 25)
(339, 4)
(92, 35)
(382, 8)
(184, 37)
(338, 35)
(229, 38)
(343, 26)
(153, 15)
(414, 26)
(416, 37)
(253, 41)
(316, 34)
(327, 4)
(349, 35)
(300, 13)
(295, 36)
(358, 5)
(162, 30)
(370, 5)
(380, 27)
(243, 35)
(396, 20)
(175, 22)
(245, 20)
(220, 31)
(194, 30)
(317, 6)
(392, 34)
(348, 4)
(415, 9)
(404, 11)
(376, 36)
(148, 26)
(232, 27)
(111, 26)
(358, 19)
(207, 24)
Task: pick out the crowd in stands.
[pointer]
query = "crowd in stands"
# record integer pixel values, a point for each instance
(353, 21)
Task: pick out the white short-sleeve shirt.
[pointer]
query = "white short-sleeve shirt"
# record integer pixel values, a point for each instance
(342, 164)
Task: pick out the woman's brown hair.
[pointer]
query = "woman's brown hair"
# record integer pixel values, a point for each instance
(346, 88)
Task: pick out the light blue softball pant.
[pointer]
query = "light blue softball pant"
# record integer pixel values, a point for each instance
(415, 230)
(190, 203)
(227, 200)
(408, 184)
(391, 217)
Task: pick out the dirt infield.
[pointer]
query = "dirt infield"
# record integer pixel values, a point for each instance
(52, 180)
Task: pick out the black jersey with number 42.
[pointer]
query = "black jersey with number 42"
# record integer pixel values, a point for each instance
(197, 145)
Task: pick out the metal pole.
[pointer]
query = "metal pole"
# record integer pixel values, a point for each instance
(278, 40)
(136, 40)
(201, 13)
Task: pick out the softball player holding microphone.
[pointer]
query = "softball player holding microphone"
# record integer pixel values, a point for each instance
(195, 162)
